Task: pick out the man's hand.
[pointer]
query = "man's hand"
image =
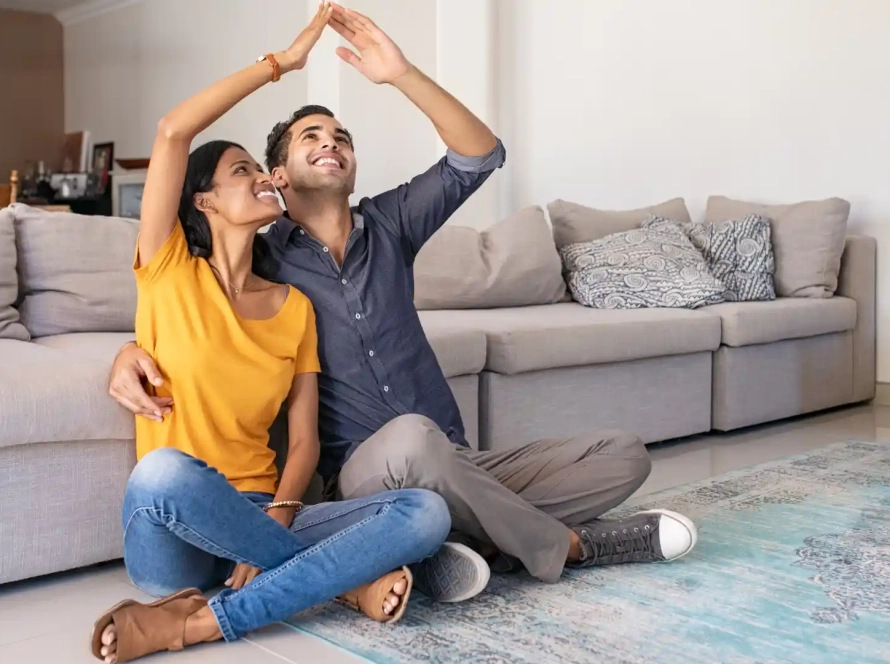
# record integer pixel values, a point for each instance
(297, 54)
(130, 368)
(242, 575)
(378, 59)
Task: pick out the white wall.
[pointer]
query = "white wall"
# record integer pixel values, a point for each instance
(624, 104)
(126, 68)
(612, 104)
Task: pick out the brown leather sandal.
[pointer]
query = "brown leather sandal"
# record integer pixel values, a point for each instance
(369, 598)
(143, 629)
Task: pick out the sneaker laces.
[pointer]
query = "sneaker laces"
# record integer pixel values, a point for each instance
(617, 544)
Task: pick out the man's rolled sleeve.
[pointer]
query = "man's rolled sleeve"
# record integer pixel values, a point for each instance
(419, 208)
(484, 164)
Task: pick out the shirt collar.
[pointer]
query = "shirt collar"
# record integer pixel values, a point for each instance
(289, 226)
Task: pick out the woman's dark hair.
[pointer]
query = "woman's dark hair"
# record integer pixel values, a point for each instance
(199, 175)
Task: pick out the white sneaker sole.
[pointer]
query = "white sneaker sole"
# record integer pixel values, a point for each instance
(686, 522)
(455, 574)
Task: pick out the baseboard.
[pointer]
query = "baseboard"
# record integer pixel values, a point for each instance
(882, 394)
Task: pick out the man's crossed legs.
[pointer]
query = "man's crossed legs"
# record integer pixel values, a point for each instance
(539, 503)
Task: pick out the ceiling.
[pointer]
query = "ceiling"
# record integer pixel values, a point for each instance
(46, 6)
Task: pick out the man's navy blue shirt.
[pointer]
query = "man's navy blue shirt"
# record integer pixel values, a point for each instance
(376, 362)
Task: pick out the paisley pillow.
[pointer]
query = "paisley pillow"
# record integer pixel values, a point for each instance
(739, 253)
(654, 266)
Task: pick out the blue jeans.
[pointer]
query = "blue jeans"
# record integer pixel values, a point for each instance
(186, 526)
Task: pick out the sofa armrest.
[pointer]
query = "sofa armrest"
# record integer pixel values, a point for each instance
(858, 281)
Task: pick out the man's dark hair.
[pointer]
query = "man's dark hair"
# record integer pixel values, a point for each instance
(279, 138)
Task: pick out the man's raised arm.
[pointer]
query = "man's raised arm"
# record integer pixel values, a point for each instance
(474, 152)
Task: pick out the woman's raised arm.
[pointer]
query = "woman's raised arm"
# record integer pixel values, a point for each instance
(177, 130)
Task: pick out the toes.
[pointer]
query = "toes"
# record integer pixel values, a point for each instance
(401, 587)
(109, 635)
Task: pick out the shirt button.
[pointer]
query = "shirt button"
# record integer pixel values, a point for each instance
(343, 281)
(357, 316)
(386, 388)
(326, 250)
(371, 353)
(302, 232)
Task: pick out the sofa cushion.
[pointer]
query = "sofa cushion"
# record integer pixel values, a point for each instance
(49, 396)
(10, 327)
(512, 264)
(808, 241)
(749, 323)
(578, 223)
(568, 334)
(460, 352)
(100, 346)
(75, 272)
(656, 266)
(738, 252)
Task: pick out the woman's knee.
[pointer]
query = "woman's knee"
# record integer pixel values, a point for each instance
(161, 471)
(428, 518)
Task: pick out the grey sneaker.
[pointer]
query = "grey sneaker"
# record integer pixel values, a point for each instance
(651, 536)
(455, 574)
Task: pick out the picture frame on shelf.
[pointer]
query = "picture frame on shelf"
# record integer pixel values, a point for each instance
(126, 193)
(102, 163)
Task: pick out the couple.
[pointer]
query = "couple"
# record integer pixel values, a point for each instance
(230, 318)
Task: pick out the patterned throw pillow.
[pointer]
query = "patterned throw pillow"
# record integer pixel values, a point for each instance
(739, 253)
(655, 266)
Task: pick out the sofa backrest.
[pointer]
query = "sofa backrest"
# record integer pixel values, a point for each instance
(74, 272)
(10, 323)
(512, 264)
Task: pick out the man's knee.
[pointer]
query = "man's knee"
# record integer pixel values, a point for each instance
(412, 439)
(630, 448)
(408, 452)
(633, 449)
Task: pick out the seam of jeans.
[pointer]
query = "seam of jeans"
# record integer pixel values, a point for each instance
(173, 526)
(271, 574)
(454, 515)
(339, 514)
(222, 620)
(133, 516)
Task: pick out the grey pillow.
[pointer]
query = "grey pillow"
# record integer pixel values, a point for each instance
(579, 223)
(808, 240)
(10, 327)
(512, 264)
(648, 267)
(75, 272)
(738, 252)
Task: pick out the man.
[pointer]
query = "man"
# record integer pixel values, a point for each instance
(387, 417)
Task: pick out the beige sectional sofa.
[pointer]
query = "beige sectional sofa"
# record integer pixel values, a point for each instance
(523, 360)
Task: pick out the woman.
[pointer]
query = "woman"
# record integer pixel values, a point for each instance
(204, 504)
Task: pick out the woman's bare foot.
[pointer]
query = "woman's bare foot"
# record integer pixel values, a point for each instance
(200, 627)
(394, 598)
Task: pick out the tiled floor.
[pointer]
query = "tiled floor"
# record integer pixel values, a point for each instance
(48, 620)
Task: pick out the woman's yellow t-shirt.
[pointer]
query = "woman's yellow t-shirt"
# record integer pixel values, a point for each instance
(228, 376)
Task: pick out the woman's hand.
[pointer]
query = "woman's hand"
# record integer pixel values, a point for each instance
(242, 575)
(297, 54)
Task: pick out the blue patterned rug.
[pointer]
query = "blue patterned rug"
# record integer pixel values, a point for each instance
(792, 565)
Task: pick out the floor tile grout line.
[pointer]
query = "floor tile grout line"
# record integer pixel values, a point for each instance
(300, 630)
(271, 652)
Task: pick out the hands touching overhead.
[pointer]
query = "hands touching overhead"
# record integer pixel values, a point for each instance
(378, 57)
